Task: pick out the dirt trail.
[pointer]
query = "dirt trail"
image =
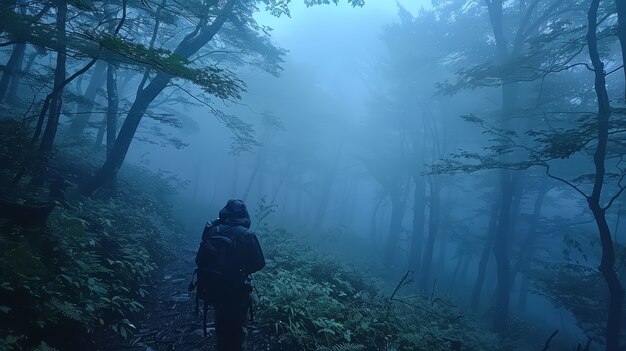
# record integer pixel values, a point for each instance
(169, 322)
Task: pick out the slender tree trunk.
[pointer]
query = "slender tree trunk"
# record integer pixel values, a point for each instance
(419, 206)
(257, 166)
(373, 232)
(95, 83)
(465, 267)
(102, 129)
(190, 44)
(112, 108)
(484, 258)
(441, 256)
(501, 240)
(350, 208)
(621, 33)
(526, 251)
(607, 263)
(12, 71)
(31, 60)
(16, 75)
(325, 192)
(433, 229)
(501, 251)
(280, 185)
(55, 99)
(395, 226)
(459, 260)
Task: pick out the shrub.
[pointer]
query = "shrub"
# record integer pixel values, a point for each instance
(313, 302)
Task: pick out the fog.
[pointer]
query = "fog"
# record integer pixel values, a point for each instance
(320, 167)
(456, 143)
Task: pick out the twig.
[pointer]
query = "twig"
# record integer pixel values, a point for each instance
(400, 283)
(432, 294)
(547, 344)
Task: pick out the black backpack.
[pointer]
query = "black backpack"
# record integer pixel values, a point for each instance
(218, 273)
(219, 263)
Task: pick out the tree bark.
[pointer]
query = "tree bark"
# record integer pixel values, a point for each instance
(257, 166)
(95, 83)
(112, 108)
(55, 99)
(484, 258)
(607, 262)
(433, 229)
(501, 239)
(621, 34)
(395, 226)
(12, 71)
(193, 42)
(373, 231)
(501, 251)
(526, 251)
(419, 205)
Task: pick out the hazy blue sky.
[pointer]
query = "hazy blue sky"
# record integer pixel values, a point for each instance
(339, 44)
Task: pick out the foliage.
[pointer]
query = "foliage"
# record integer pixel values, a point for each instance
(315, 302)
(89, 268)
(576, 288)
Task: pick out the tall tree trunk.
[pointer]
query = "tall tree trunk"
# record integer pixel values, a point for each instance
(464, 269)
(621, 34)
(190, 45)
(12, 71)
(257, 166)
(433, 229)
(441, 256)
(373, 227)
(484, 258)
(526, 251)
(16, 75)
(55, 99)
(501, 240)
(607, 263)
(85, 109)
(501, 251)
(417, 235)
(112, 108)
(395, 226)
(283, 178)
(102, 129)
(325, 193)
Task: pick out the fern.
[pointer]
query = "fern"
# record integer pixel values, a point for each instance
(342, 347)
(67, 309)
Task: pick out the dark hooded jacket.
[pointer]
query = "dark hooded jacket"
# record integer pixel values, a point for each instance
(235, 220)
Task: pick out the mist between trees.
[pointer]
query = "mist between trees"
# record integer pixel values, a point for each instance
(477, 145)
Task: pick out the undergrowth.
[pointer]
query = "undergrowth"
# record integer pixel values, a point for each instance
(309, 301)
(87, 270)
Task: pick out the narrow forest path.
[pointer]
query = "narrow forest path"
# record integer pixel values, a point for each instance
(169, 322)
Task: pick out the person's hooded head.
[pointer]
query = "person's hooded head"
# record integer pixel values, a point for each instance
(236, 213)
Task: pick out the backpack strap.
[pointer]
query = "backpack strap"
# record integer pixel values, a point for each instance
(205, 312)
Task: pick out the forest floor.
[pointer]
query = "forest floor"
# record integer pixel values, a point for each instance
(168, 321)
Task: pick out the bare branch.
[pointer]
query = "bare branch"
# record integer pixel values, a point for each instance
(619, 184)
(614, 70)
(565, 181)
(547, 345)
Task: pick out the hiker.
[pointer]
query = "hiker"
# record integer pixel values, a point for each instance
(228, 254)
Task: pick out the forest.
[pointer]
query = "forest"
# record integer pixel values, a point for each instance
(439, 175)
